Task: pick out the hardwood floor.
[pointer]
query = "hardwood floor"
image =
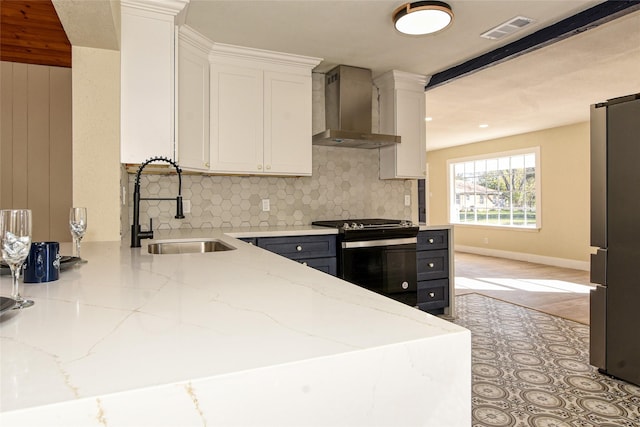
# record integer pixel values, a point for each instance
(559, 291)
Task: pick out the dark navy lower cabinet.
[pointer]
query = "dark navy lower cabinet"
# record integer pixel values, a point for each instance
(316, 251)
(433, 260)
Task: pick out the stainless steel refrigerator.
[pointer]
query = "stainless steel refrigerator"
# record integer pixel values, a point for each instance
(615, 232)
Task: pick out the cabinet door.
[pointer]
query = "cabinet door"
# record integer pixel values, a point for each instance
(411, 153)
(236, 119)
(193, 108)
(147, 86)
(327, 265)
(407, 159)
(287, 124)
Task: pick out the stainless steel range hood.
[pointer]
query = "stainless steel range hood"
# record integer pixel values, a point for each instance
(347, 93)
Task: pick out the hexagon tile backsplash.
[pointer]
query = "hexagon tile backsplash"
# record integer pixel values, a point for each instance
(344, 184)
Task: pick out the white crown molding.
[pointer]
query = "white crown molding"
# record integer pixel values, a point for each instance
(165, 7)
(226, 51)
(195, 39)
(401, 80)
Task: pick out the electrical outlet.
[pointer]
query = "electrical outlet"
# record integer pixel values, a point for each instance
(407, 200)
(186, 206)
(265, 205)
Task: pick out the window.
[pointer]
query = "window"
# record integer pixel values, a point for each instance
(500, 189)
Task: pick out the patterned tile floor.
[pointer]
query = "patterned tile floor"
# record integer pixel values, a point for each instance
(532, 369)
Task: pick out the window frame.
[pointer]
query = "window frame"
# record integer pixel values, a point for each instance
(451, 195)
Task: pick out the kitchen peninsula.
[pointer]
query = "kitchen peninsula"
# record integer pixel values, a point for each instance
(240, 337)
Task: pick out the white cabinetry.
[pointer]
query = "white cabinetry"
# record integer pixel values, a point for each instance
(402, 110)
(193, 100)
(147, 79)
(260, 111)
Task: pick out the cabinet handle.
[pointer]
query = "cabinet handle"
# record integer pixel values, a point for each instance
(431, 241)
(298, 248)
(207, 164)
(431, 265)
(268, 167)
(259, 167)
(405, 285)
(432, 294)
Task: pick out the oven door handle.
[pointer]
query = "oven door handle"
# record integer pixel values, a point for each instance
(379, 242)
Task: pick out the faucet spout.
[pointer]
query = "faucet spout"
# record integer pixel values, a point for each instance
(136, 231)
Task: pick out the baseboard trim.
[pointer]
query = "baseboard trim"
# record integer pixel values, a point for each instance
(521, 256)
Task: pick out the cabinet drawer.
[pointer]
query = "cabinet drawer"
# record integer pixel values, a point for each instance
(433, 294)
(327, 264)
(299, 247)
(433, 239)
(432, 265)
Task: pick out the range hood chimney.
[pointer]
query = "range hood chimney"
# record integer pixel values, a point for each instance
(347, 94)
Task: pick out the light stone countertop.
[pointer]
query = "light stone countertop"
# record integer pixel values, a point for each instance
(130, 325)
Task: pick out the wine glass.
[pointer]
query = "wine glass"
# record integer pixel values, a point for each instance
(15, 231)
(78, 226)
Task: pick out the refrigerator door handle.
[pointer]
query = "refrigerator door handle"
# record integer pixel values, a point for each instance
(598, 133)
(599, 267)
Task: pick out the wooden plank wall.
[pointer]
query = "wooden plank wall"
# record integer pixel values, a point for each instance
(36, 144)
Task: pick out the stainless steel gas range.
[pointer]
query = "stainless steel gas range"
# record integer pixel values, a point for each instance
(378, 254)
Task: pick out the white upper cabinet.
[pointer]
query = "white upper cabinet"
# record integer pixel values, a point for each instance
(147, 79)
(260, 112)
(193, 100)
(402, 110)
(287, 123)
(236, 119)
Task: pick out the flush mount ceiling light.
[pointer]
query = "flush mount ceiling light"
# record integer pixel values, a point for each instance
(422, 17)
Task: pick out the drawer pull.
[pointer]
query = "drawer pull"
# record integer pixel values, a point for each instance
(298, 248)
(431, 241)
(431, 265)
(432, 294)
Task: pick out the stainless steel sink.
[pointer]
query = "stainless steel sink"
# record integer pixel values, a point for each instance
(188, 247)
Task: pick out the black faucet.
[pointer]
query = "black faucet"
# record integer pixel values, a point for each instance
(136, 233)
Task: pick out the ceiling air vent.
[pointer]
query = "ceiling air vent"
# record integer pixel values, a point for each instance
(507, 28)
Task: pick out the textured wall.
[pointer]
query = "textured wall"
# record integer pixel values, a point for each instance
(344, 184)
(96, 140)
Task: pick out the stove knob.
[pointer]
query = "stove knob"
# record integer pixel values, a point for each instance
(346, 226)
(405, 285)
(354, 225)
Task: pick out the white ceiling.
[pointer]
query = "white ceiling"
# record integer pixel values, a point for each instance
(549, 87)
